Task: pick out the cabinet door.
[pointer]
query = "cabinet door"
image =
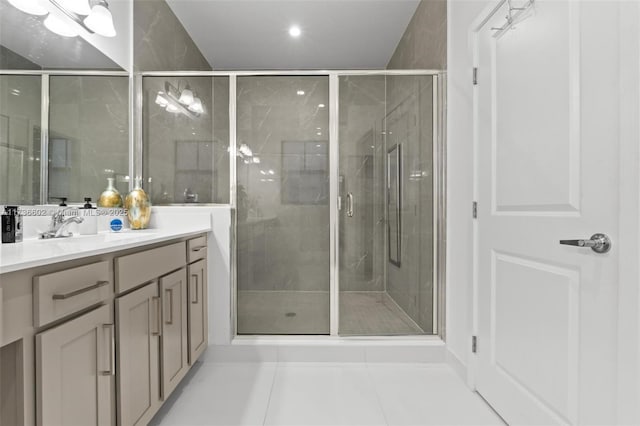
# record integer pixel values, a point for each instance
(74, 369)
(138, 316)
(173, 288)
(197, 309)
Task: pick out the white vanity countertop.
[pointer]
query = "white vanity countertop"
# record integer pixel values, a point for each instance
(33, 252)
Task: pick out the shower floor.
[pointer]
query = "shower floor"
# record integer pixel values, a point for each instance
(307, 312)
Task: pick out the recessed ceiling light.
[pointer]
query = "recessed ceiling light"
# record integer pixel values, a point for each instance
(321, 105)
(294, 31)
(300, 92)
(319, 133)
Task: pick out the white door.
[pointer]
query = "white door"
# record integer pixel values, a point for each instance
(547, 140)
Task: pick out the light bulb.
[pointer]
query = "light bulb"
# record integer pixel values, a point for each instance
(60, 27)
(186, 98)
(79, 7)
(32, 7)
(196, 106)
(161, 100)
(100, 20)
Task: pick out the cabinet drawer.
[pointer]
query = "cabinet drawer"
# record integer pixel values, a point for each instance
(197, 248)
(139, 268)
(59, 294)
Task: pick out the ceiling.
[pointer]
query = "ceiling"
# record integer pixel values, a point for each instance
(336, 34)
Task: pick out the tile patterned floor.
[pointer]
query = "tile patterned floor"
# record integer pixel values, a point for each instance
(324, 394)
(307, 312)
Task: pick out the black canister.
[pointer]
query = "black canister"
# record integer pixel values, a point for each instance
(11, 225)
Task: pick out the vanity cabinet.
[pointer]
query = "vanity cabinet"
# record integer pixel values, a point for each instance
(138, 320)
(75, 364)
(173, 288)
(110, 335)
(197, 309)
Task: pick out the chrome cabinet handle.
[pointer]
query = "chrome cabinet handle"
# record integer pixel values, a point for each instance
(600, 243)
(170, 292)
(350, 204)
(80, 291)
(112, 351)
(195, 302)
(199, 248)
(156, 302)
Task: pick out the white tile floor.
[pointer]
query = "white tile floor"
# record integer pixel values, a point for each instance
(324, 394)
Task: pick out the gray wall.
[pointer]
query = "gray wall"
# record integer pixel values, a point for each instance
(89, 119)
(410, 124)
(160, 41)
(424, 43)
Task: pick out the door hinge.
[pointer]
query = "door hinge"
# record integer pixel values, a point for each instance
(475, 76)
(474, 344)
(474, 210)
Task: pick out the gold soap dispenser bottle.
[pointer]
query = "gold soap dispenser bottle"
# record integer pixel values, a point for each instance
(110, 197)
(138, 207)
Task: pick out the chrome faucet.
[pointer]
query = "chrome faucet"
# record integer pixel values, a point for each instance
(58, 227)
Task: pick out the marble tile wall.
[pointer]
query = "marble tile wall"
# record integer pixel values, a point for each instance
(19, 139)
(88, 135)
(410, 123)
(362, 153)
(182, 151)
(283, 238)
(424, 43)
(160, 41)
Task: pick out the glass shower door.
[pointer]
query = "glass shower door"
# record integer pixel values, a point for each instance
(385, 186)
(283, 269)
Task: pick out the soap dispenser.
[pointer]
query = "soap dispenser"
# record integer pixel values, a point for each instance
(11, 225)
(89, 226)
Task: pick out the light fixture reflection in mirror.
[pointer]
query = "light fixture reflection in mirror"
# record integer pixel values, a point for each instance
(175, 100)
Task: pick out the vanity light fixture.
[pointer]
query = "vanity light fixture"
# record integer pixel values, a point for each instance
(100, 19)
(92, 15)
(60, 27)
(79, 7)
(32, 7)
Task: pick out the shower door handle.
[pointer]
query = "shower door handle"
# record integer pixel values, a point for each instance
(350, 204)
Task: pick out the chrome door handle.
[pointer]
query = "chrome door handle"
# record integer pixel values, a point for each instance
(600, 243)
(350, 204)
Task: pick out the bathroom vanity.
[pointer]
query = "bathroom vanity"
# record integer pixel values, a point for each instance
(99, 330)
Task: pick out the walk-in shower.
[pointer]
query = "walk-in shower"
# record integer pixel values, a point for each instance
(336, 180)
(336, 203)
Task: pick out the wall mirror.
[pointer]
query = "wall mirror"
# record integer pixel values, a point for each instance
(64, 103)
(394, 202)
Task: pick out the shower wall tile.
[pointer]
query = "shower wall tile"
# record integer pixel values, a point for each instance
(160, 41)
(89, 122)
(283, 244)
(361, 237)
(424, 43)
(168, 137)
(410, 124)
(19, 135)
